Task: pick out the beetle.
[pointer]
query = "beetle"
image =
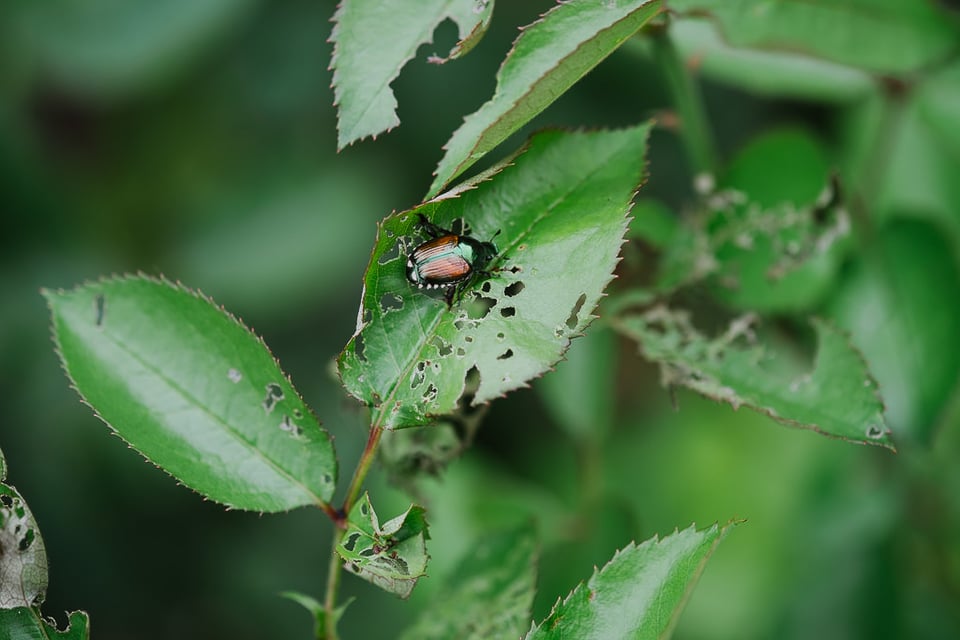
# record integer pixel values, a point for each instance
(448, 260)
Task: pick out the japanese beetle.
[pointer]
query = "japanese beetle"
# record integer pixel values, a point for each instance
(448, 260)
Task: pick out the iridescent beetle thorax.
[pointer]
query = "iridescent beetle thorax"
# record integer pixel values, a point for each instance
(447, 259)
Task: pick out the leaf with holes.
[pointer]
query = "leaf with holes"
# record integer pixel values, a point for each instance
(23, 558)
(393, 556)
(557, 215)
(837, 398)
(26, 623)
(548, 58)
(194, 391)
(770, 237)
(373, 39)
(488, 595)
(638, 594)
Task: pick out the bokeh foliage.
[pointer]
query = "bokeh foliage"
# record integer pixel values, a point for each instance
(198, 141)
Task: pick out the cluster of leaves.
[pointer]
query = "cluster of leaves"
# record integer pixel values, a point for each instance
(200, 396)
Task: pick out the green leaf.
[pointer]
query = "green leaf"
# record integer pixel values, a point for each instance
(837, 398)
(194, 391)
(581, 393)
(771, 73)
(776, 223)
(373, 39)
(638, 594)
(548, 58)
(901, 305)
(561, 210)
(24, 623)
(23, 558)
(317, 611)
(770, 238)
(852, 32)
(394, 556)
(488, 594)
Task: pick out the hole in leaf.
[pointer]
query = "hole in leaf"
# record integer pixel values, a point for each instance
(297, 414)
(468, 338)
(274, 395)
(471, 382)
(351, 542)
(479, 307)
(431, 393)
(444, 348)
(485, 287)
(505, 355)
(419, 375)
(390, 302)
(514, 289)
(500, 336)
(574, 318)
(358, 347)
(99, 309)
(508, 312)
(461, 352)
(395, 252)
(287, 425)
(28, 537)
(874, 432)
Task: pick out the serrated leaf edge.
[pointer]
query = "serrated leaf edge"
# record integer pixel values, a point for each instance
(196, 293)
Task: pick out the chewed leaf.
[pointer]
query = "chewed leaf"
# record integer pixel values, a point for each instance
(393, 556)
(373, 39)
(23, 559)
(548, 58)
(561, 213)
(28, 623)
(638, 594)
(769, 238)
(837, 398)
(194, 391)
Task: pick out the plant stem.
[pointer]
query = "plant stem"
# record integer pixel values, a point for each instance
(694, 130)
(333, 584)
(363, 467)
(353, 492)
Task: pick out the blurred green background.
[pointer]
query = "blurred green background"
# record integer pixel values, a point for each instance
(197, 140)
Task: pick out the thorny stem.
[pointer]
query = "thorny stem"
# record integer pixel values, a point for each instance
(353, 492)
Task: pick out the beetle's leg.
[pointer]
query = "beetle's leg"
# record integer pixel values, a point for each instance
(448, 296)
(432, 230)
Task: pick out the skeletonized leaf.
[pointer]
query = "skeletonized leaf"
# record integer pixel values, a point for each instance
(548, 58)
(194, 391)
(393, 556)
(23, 558)
(373, 39)
(837, 398)
(639, 594)
(561, 210)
